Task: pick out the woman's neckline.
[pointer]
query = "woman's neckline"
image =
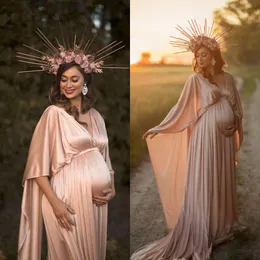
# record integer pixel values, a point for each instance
(90, 117)
(62, 108)
(214, 76)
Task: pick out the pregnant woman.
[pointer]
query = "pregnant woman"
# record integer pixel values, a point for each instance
(68, 177)
(194, 154)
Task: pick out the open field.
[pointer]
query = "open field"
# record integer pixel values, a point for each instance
(155, 90)
(147, 218)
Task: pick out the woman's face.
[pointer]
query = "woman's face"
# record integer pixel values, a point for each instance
(203, 57)
(71, 83)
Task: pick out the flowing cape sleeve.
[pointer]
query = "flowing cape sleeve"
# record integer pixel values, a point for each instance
(238, 111)
(105, 153)
(105, 149)
(45, 142)
(168, 150)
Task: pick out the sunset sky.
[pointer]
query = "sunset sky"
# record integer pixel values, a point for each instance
(153, 22)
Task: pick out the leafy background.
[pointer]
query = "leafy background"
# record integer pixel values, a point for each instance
(23, 98)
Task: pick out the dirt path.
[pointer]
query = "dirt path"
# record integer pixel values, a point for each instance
(147, 219)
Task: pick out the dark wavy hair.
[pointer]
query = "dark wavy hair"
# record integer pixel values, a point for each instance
(218, 67)
(56, 98)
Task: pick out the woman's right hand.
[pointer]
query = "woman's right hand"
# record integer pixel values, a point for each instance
(60, 209)
(230, 130)
(62, 212)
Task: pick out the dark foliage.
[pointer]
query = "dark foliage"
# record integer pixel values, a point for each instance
(23, 97)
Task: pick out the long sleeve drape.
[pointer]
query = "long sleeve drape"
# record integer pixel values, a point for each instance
(238, 111)
(185, 112)
(43, 143)
(49, 151)
(168, 150)
(99, 121)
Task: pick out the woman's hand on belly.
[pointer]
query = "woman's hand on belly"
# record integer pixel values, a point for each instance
(102, 200)
(230, 130)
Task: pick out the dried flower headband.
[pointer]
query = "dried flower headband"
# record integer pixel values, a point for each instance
(195, 37)
(90, 62)
(85, 61)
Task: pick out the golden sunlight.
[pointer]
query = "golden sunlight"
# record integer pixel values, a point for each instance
(153, 22)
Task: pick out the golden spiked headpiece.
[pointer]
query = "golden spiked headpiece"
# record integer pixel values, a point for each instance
(196, 36)
(64, 53)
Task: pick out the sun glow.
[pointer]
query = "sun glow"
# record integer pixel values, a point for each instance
(153, 22)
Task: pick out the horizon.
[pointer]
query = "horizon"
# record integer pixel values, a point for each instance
(151, 33)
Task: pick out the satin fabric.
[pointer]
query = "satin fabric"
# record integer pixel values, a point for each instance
(78, 166)
(194, 164)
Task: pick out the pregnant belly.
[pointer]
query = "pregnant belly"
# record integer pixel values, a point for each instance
(100, 176)
(86, 172)
(224, 114)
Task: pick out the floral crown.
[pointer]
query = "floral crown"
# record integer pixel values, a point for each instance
(195, 37)
(88, 61)
(85, 61)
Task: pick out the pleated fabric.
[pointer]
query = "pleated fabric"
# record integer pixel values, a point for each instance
(79, 168)
(194, 164)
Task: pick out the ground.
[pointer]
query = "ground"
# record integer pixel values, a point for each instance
(147, 219)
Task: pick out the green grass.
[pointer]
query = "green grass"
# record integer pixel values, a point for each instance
(155, 90)
(249, 73)
(115, 250)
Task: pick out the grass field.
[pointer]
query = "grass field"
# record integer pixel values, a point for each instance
(155, 90)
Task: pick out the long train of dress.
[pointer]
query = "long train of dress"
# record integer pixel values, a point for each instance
(194, 164)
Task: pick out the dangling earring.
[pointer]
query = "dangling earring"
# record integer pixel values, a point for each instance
(61, 93)
(84, 89)
(213, 62)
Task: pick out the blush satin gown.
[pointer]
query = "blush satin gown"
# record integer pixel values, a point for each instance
(79, 167)
(194, 164)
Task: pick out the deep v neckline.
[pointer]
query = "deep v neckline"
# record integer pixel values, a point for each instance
(216, 86)
(91, 134)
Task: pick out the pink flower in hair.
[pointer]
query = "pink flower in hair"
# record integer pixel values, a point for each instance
(87, 62)
(59, 61)
(63, 54)
(68, 59)
(78, 59)
(84, 58)
(87, 70)
(215, 44)
(90, 58)
(61, 48)
(92, 65)
(55, 67)
(50, 59)
(205, 41)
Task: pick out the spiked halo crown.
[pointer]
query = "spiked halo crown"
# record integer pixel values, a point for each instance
(195, 36)
(64, 53)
